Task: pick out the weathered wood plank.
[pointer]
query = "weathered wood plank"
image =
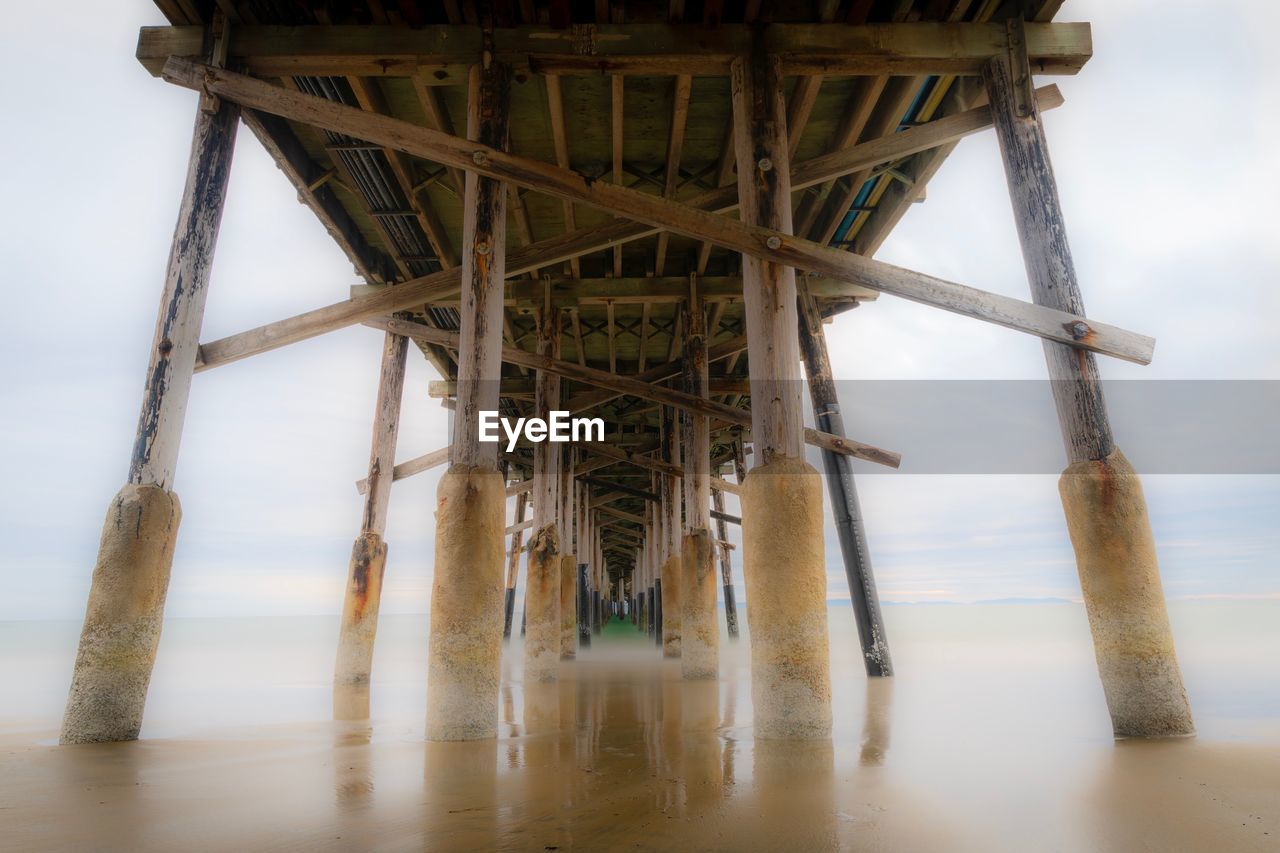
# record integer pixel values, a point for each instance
(1076, 383)
(698, 442)
(484, 239)
(408, 468)
(442, 54)
(546, 457)
(958, 298)
(175, 345)
(386, 426)
(769, 287)
(675, 149)
(643, 390)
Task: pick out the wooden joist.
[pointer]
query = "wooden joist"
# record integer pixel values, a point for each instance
(523, 388)
(445, 284)
(441, 55)
(637, 388)
(763, 243)
(412, 466)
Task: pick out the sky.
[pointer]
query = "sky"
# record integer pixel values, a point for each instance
(1164, 154)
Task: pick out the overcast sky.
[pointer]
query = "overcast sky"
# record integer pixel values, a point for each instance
(1164, 154)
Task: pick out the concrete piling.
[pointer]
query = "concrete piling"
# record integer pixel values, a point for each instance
(123, 619)
(542, 607)
(568, 606)
(699, 621)
(1115, 553)
(786, 584)
(353, 668)
(464, 653)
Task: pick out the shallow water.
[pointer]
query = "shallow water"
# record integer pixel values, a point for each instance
(992, 736)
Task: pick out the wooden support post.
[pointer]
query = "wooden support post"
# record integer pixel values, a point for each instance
(843, 493)
(726, 567)
(465, 647)
(542, 588)
(353, 668)
(641, 389)
(699, 623)
(568, 562)
(513, 564)
(131, 577)
(484, 237)
(782, 497)
(1102, 495)
(671, 607)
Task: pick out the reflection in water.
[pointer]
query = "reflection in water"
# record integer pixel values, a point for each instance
(622, 753)
(352, 773)
(471, 808)
(792, 792)
(351, 701)
(875, 725)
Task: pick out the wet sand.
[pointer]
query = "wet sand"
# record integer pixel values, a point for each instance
(622, 754)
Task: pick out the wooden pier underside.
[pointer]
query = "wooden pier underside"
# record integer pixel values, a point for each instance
(631, 93)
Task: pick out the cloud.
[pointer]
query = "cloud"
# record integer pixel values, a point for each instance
(1164, 154)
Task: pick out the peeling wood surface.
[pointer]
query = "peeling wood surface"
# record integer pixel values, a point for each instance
(1076, 383)
(186, 287)
(386, 426)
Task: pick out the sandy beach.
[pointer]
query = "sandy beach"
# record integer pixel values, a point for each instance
(1014, 754)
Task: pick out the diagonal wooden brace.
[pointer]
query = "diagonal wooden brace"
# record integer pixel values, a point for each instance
(661, 213)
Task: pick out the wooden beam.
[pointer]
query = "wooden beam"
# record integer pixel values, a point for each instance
(799, 108)
(612, 334)
(617, 513)
(697, 445)
(769, 287)
(409, 294)
(284, 147)
(637, 388)
(618, 131)
(620, 488)
(438, 118)
(513, 565)
(370, 97)
(560, 141)
(443, 54)
(518, 527)
(725, 486)
(386, 426)
(408, 468)
(675, 147)
(484, 238)
(1076, 382)
(175, 344)
(607, 455)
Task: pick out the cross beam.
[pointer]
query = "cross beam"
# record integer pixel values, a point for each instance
(444, 285)
(441, 55)
(636, 388)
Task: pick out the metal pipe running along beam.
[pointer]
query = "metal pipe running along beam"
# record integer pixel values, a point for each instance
(664, 214)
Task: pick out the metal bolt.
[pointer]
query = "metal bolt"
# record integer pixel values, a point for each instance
(482, 248)
(480, 158)
(765, 164)
(774, 242)
(1079, 330)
